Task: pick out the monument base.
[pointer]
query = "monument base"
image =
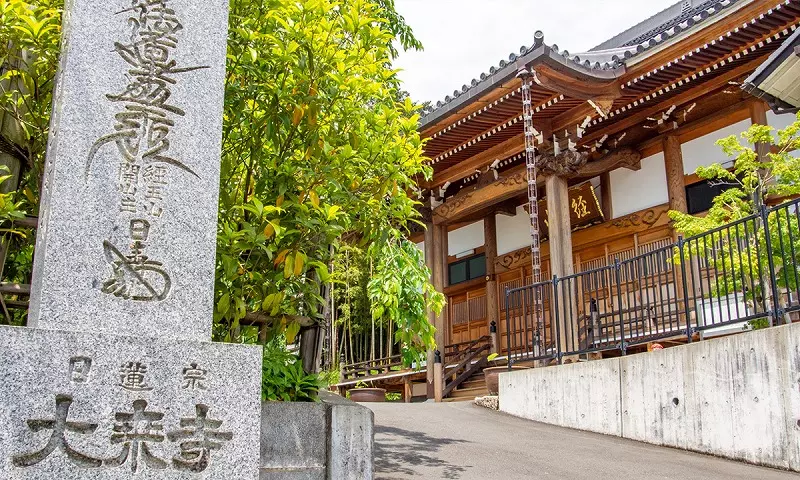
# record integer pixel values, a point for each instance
(81, 405)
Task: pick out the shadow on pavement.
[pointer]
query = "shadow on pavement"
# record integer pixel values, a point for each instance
(398, 451)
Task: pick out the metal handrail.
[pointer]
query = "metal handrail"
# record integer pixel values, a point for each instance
(694, 285)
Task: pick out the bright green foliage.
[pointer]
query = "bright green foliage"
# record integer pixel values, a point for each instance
(29, 37)
(776, 177)
(283, 378)
(10, 209)
(399, 291)
(349, 277)
(393, 397)
(740, 252)
(315, 144)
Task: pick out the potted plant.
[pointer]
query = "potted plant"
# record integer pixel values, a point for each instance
(363, 394)
(492, 374)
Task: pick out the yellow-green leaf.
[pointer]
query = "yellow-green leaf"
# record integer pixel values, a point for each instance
(298, 263)
(291, 332)
(297, 115)
(269, 230)
(281, 257)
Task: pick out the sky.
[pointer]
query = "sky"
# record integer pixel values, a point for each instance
(463, 38)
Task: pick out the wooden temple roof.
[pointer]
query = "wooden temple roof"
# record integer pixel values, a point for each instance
(606, 99)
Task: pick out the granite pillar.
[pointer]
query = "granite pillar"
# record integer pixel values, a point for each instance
(118, 378)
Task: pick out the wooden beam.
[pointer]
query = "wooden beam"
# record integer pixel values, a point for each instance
(515, 182)
(687, 132)
(430, 255)
(442, 322)
(758, 116)
(512, 146)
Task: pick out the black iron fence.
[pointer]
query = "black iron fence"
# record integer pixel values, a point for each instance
(741, 276)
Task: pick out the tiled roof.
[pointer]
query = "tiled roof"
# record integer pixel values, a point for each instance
(592, 62)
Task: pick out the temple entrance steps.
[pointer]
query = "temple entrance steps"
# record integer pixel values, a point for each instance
(475, 386)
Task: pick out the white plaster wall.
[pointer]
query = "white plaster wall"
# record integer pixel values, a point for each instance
(735, 397)
(632, 191)
(465, 238)
(702, 152)
(779, 122)
(514, 232)
(421, 246)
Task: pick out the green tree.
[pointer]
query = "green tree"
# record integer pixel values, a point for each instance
(29, 37)
(741, 251)
(316, 144)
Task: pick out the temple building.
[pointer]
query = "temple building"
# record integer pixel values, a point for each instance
(618, 133)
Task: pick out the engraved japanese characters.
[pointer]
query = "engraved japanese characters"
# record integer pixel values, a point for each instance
(141, 136)
(139, 433)
(107, 407)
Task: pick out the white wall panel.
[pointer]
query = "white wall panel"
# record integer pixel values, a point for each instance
(465, 238)
(702, 152)
(513, 233)
(632, 191)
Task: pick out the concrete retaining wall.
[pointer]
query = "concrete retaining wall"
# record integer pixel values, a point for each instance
(736, 397)
(330, 440)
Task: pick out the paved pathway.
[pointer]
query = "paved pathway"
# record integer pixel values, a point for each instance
(462, 441)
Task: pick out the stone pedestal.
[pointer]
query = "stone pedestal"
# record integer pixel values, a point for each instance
(79, 406)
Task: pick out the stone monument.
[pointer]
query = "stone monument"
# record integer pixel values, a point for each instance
(117, 378)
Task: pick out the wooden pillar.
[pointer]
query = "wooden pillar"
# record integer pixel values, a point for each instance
(676, 185)
(433, 266)
(490, 244)
(758, 116)
(407, 390)
(439, 281)
(558, 214)
(605, 191)
(442, 325)
(561, 265)
(676, 188)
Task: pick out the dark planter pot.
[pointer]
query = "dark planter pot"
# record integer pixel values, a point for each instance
(492, 375)
(367, 395)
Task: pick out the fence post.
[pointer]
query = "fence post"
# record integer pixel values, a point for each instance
(493, 337)
(618, 274)
(687, 311)
(557, 321)
(776, 312)
(438, 376)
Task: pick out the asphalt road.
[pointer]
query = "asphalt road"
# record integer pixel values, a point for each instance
(462, 441)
